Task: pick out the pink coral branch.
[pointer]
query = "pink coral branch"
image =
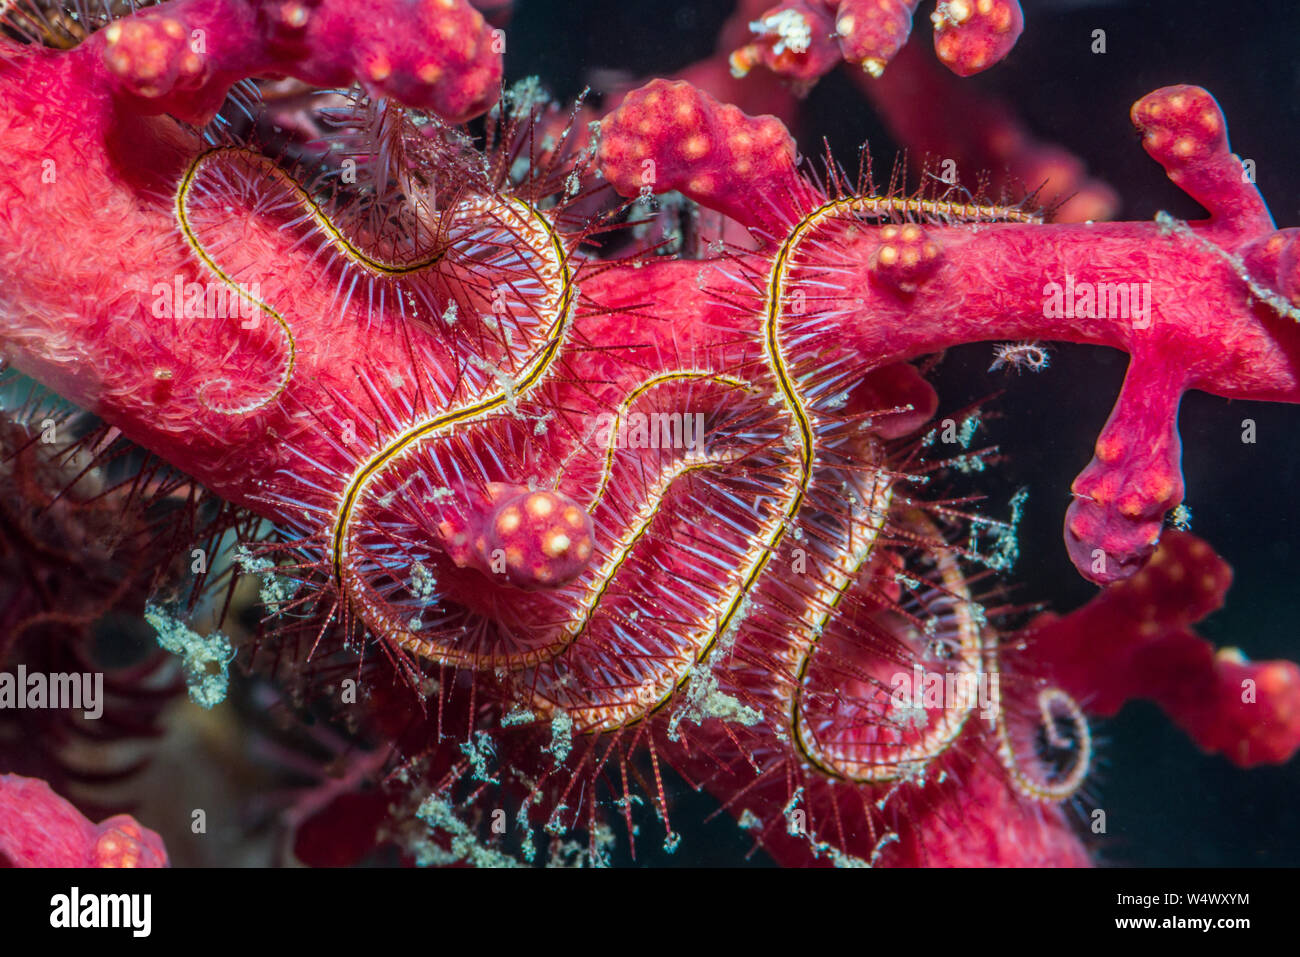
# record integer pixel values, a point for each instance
(182, 58)
(1132, 641)
(1235, 335)
(40, 829)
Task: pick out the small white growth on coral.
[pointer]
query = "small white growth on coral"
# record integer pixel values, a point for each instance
(517, 715)
(791, 29)
(197, 652)
(704, 700)
(423, 584)
(561, 737)
(441, 816)
(480, 750)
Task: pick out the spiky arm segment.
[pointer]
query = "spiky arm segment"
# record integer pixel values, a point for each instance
(182, 57)
(803, 40)
(1132, 641)
(1231, 331)
(40, 829)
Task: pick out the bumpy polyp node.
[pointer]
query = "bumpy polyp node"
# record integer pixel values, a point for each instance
(538, 539)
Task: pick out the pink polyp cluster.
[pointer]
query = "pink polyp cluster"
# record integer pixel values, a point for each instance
(972, 35)
(803, 40)
(182, 58)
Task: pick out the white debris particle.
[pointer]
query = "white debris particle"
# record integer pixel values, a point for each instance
(275, 591)
(909, 715)
(790, 28)
(907, 581)
(969, 464)
(561, 737)
(1005, 547)
(517, 715)
(250, 563)
(528, 848)
(203, 657)
(480, 751)
(423, 584)
(441, 816)
(968, 428)
(793, 825)
(704, 700)
(504, 379)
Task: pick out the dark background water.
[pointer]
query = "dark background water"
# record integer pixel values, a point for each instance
(1166, 802)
